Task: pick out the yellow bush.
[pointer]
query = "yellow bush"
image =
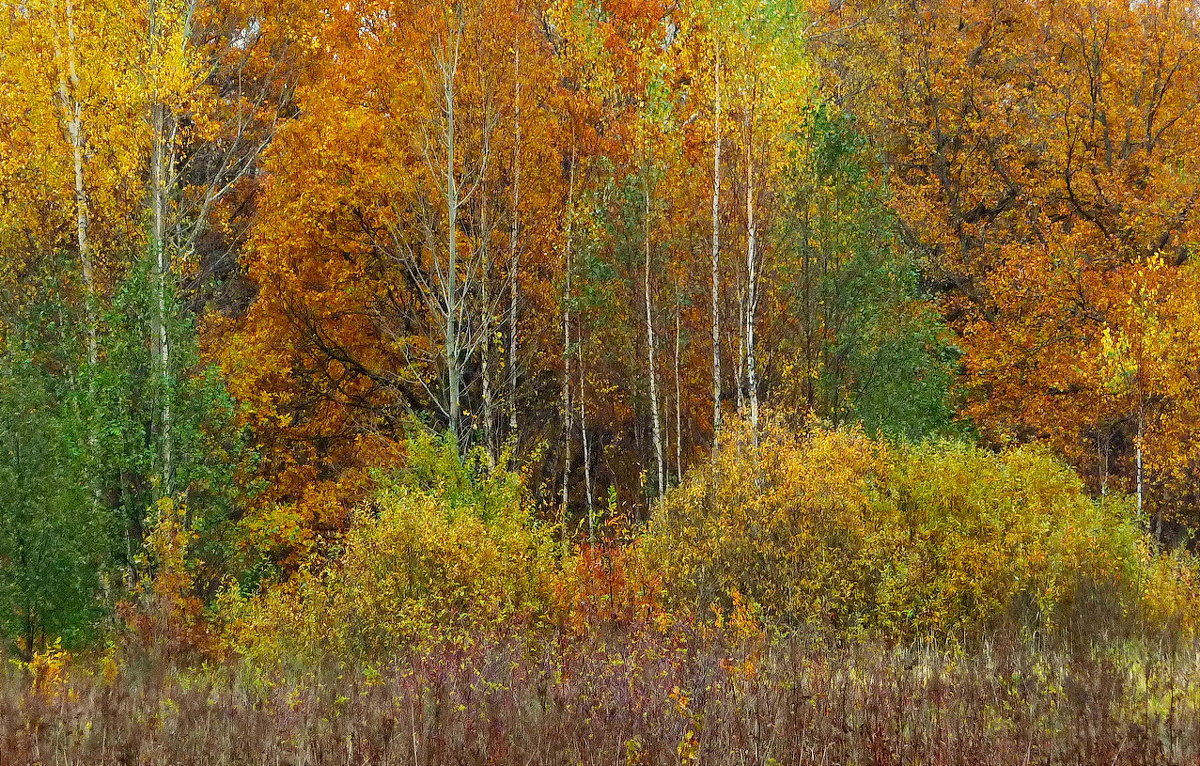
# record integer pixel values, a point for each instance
(784, 523)
(833, 529)
(437, 554)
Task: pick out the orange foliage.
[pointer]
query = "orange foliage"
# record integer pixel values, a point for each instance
(343, 341)
(605, 587)
(165, 617)
(1046, 154)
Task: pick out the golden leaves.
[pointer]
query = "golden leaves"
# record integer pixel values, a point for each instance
(1046, 154)
(831, 529)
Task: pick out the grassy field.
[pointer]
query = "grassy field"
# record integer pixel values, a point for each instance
(637, 697)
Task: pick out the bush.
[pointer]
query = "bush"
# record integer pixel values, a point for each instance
(446, 549)
(834, 530)
(54, 537)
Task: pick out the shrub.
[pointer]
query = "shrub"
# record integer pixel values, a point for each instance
(603, 589)
(446, 549)
(832, 529)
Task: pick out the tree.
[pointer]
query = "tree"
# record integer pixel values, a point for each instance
(102, 91)
(378, 281)
(55, 541)
(1041, 156)
(860, 342)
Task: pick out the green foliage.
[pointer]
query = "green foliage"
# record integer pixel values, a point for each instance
(207, 445)
(81, 455)
(54, 537)
(871, 347)
(446, 549)
(52, 534)
(127, 392)
(836, 530)
(434, 466)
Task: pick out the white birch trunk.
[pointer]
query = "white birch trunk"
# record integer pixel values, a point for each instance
(656, 419)
(678, 391)
(751, 288)
(160, 261)
(485, 352)
(72, 117)
(716, 258)
(514, 284)
(450, 291)
(566, 359)
(587, 451)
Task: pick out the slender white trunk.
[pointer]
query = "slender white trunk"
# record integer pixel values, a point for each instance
(751, 288)
(566, 359)
(450, 295)
(740, 372)
(160, 342)
(162, 275)
(678, 391)
(72, 117)
(587, 451)
(514, 283)
(483, 257)
(656, 419)
(716, 257)
(485, 354)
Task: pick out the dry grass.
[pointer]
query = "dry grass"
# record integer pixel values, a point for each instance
(646, 698)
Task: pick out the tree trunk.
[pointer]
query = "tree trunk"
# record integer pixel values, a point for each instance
(751, 287)
(514, 284)
(740, 372)
(566, 358)
(160, 261)
(656, 420)
(450, 293)
(678, 390)
(587, 452)
(72, 117)
(716, 258)
(485, 352)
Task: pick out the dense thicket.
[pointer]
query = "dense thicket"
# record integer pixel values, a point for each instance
(835, 530)
(367, 321)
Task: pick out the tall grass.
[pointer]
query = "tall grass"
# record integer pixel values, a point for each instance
(643, 697)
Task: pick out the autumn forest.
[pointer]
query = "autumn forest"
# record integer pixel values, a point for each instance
(599, 381)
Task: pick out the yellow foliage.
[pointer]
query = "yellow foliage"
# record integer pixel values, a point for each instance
(418, 562)
(48, 670)
(832, 529)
